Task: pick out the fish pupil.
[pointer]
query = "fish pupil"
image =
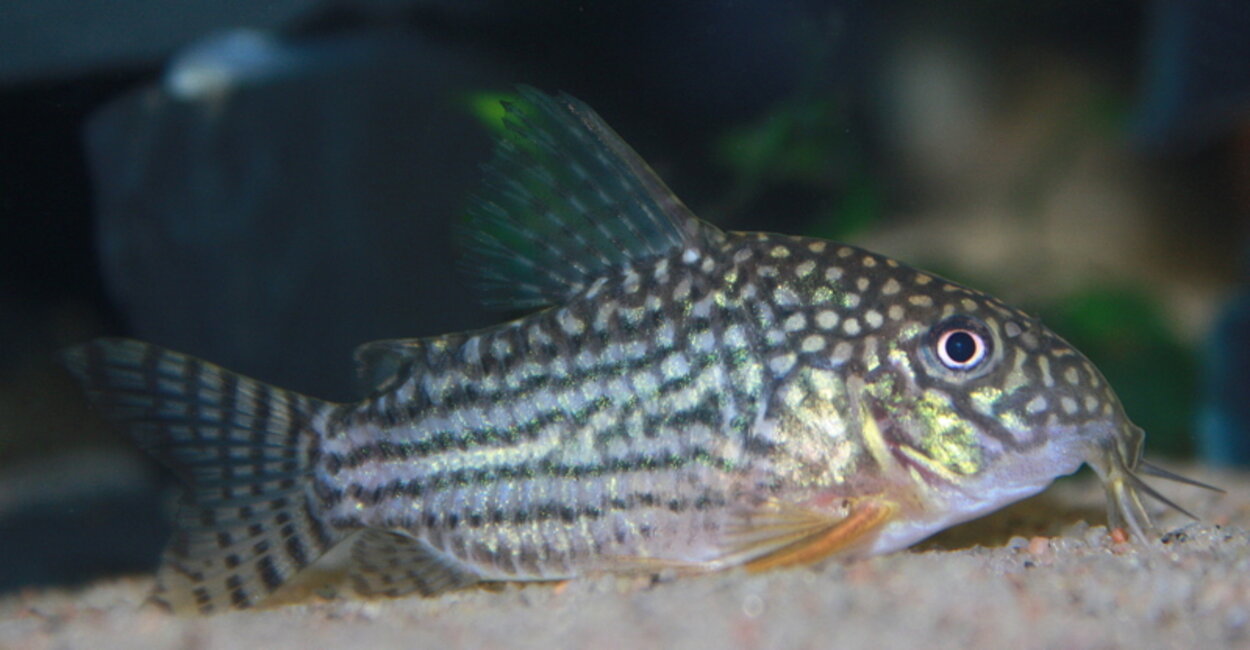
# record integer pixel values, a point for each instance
(961, 347)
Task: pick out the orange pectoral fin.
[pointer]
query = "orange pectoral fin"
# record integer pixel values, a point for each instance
(863, 519)
(637, 565)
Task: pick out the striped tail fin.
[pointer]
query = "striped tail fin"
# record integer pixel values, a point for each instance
(245, 451)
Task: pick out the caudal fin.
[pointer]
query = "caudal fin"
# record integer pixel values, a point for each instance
(245, 451)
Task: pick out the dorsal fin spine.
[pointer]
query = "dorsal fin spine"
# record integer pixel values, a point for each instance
(565, 202)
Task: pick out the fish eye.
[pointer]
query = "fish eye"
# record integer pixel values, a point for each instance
(961, 343)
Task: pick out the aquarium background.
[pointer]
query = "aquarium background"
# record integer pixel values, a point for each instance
(268, 185)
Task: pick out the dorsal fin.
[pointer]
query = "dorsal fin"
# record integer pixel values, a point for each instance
(564, 201)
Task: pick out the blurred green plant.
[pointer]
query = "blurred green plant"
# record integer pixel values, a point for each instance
(791, 143)
(487, 106)
(1124, 332)
(804, 145)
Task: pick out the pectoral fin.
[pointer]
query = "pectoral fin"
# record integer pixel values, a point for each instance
(775, 535)
(791, 535)
(634, 565)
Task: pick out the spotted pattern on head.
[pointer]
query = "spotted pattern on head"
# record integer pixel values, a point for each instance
(830, 302)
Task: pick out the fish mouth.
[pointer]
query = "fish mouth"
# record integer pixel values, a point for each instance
(1120, 466)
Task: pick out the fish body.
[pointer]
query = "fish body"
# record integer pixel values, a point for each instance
(683, 399)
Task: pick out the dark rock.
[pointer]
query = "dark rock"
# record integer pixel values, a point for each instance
(277, 219)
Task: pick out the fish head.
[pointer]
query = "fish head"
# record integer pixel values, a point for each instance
(970, 402)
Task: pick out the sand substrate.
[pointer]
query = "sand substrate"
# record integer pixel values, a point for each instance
(1032, 576)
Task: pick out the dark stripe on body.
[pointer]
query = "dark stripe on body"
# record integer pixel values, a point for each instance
(558, 510)
(443, 441)
(479, 478)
